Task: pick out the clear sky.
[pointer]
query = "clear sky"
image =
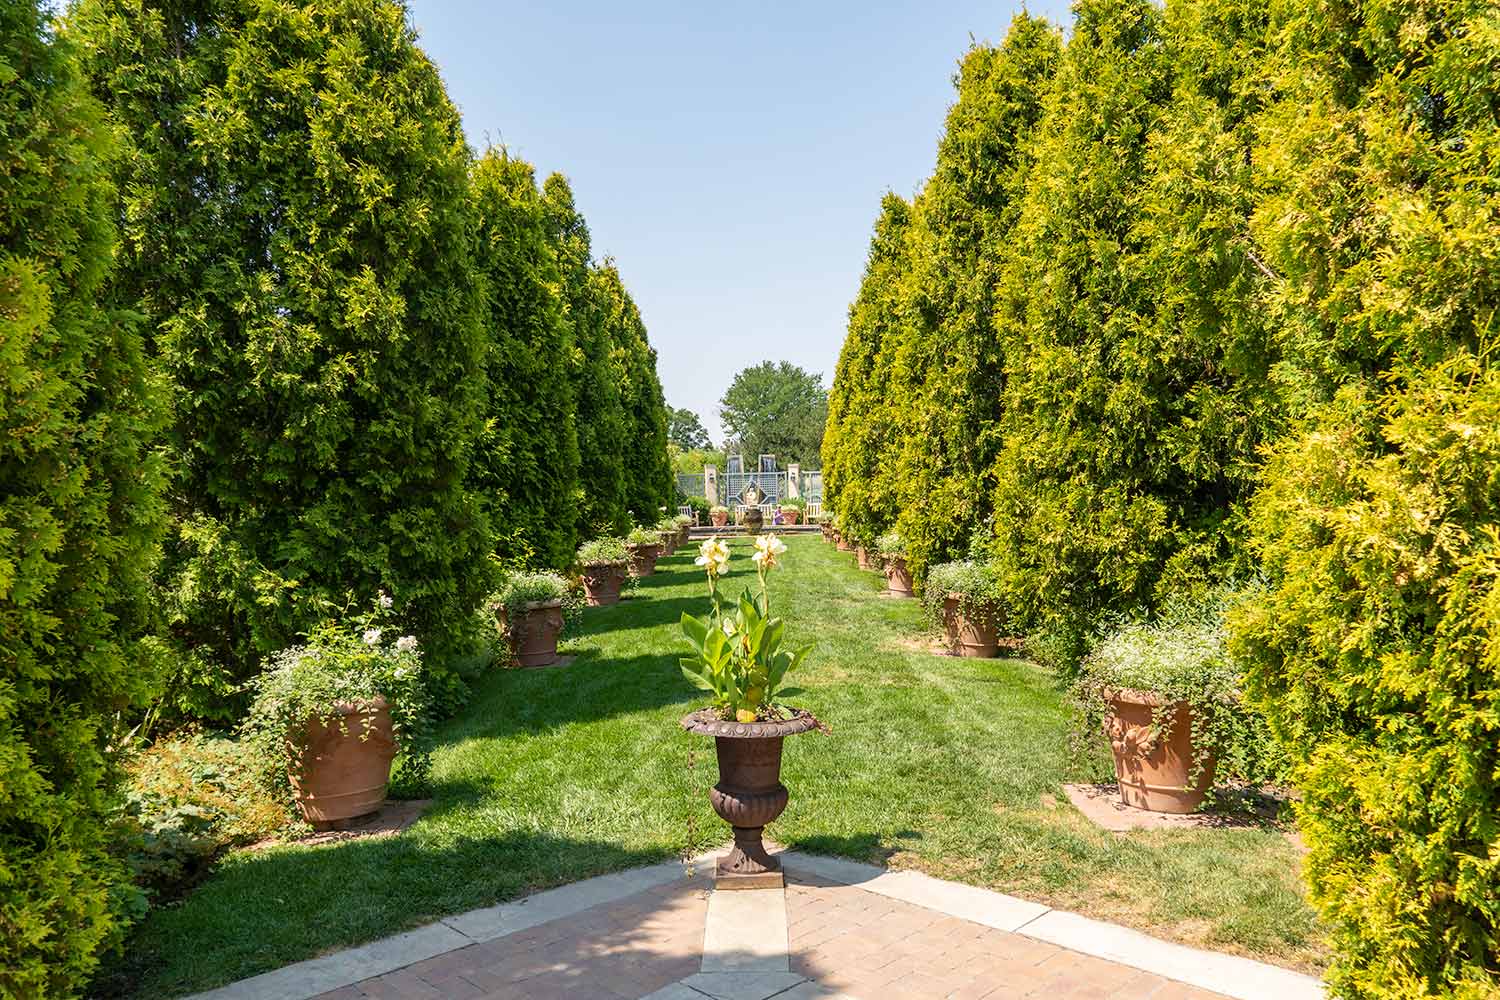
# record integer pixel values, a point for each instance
(731, 158)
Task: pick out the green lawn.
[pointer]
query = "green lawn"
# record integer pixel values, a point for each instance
(948, 765)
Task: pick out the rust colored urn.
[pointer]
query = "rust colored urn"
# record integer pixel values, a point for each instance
(863, 555)
(643, 559)
(533, 639)
(1153, 772)
(345, 764)
(602, 583)
(897, 577)
(668, 543)
(841, 543)
(973, 635)
(718, 518)
(753, 520)
(827, 530)
(790, 515)
(749, 793)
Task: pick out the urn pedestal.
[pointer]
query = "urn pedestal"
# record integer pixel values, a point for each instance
(749, 793)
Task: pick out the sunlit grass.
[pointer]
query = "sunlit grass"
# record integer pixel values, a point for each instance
(952, 766)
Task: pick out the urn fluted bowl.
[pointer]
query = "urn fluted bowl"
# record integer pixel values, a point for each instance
(749, 793)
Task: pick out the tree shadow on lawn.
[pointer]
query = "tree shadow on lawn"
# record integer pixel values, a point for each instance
(869, 848)
(639, 614)
(265, 909)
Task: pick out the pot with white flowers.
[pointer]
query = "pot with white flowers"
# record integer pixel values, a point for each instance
(966, 601)
(666, 530)
(528, 607)
(738, 657)
(644, 547)
(329, 717)
(718, 516)
(603, 563)
(892, 549)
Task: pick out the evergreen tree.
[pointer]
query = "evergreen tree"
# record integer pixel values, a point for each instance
(526, 463)
(80, 516)
(295, 203)
(600, 414)
(649, 482)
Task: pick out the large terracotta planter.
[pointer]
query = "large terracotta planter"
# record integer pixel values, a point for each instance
(718, 518)
(602, 583)
(643, 559)
(841, 543)
(1153, 773)
(534, 639)
(897, 577)
(668, 543)
(749, 793)
(974, 636)
(790, 515)
(827, 530)
(345, 764)
(862, 554)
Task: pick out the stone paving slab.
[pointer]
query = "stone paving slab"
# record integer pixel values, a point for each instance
(839, 931)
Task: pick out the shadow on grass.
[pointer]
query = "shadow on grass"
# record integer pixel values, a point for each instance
(273, 907)
(870, 848)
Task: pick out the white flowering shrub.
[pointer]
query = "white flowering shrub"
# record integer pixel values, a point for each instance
(352, 659)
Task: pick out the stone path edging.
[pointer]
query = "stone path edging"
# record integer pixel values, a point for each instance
(1241, 978)
(1230, 975)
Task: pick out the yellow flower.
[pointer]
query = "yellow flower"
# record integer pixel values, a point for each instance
(713, 555)
(767, 549)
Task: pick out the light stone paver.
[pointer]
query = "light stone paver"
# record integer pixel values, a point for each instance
(746, 932)
(840, 931)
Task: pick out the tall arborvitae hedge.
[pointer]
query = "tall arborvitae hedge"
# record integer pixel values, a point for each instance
(1236, 230)
(600, 414)
(80, 515)
(296, 209)
(648, 481)
(526, 462)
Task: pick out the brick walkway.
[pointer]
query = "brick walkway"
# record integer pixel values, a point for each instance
(842, 941)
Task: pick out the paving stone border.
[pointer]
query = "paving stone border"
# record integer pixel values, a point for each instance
(733, 970)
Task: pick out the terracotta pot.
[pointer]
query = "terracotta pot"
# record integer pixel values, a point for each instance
(841, 543)
(535, 641)
(643, 559)
(791, 515)
(602, 583)
(718, 518)
(749, 793)
(682, 535)
(897, 577)
(863, 555)
(975, 637)
(668, 543)
(1153, 773)
(827, 530)
(343, 773)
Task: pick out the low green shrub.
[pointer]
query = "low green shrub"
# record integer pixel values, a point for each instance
(602, 552)
(701, 507)
(976, 584)
(187, 798)
(1182, 656)
(642, 536)
(1374, 650)
(351, 659)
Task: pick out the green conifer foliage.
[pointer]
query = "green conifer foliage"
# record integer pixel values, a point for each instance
(526, 463)
(297, 230)
(947, 375)
(648, 479)
(857, 441)
(600, 419)
(80, 516)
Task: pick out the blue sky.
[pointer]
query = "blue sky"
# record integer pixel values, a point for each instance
(730, 158)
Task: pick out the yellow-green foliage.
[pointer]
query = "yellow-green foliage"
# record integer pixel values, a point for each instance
(80, 516)
(1375, 651)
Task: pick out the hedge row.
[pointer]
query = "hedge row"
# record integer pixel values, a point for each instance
(272, 339)
(1192, 237)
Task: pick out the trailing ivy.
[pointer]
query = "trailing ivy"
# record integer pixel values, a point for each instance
(526, 461)
(80, 517)
(297, 231)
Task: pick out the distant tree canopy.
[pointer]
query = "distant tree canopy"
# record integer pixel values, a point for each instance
(776, 409)
(686, 431)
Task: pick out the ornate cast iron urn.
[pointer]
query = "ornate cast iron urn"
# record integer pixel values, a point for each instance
(749, 793)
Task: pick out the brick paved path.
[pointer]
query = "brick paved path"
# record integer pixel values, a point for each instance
(842, 941)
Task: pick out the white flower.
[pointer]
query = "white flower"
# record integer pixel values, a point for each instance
(385, 600)
(767, 548)
(372, 637)
(728, 626)
(407, 643)
(713, 555)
